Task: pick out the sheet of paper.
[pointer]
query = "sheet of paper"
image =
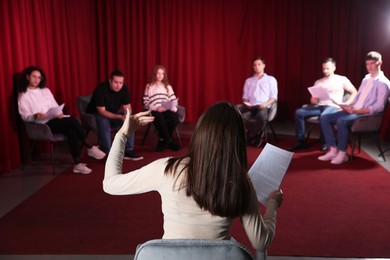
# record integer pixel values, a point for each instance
(54, 111)
(268, 170)
(168, 105)
(319, 92)
(51, 113)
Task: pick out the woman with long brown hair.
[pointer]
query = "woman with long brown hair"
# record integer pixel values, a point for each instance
(205, 189)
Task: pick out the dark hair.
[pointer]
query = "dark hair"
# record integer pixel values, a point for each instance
(258, 58)
(331, 60)
(117, 73)
(24, 82)
(216, 172)
(374, 55)
(153, 77)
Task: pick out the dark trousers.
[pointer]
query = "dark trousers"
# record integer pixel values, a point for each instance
(165, 123)
(254, 119)
(72, 129)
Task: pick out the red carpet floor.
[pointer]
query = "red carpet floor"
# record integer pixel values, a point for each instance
(338, 211)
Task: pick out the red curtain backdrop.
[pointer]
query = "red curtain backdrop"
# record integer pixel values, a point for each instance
(206, 46)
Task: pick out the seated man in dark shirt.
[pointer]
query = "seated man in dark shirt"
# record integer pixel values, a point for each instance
(108, 104)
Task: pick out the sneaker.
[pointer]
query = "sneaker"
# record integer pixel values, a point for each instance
(96, 153)
(301, 145)
(81, 168)
(341, 157)
(329, 155)
(131, 155)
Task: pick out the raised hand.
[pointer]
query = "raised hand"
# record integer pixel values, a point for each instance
(132, 122)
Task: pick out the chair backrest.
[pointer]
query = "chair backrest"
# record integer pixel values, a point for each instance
(87, 120)
(195, 249)
(181, 112)
(82, 103)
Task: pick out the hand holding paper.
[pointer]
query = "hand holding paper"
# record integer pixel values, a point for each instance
(268, 172)
(52, 113)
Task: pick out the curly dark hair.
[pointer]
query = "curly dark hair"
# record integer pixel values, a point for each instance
(23, 80)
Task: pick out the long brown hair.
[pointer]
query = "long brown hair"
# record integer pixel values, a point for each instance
(153, 77)
(216, 173)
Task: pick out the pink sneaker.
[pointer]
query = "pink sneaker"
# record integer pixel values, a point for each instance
(341, 157)
(330, 155)
(81, 168)
(96, 153)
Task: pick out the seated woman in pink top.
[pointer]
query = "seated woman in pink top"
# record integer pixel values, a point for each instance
(203, 191)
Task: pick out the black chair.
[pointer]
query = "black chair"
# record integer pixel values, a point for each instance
(88, 121)
(41, 132)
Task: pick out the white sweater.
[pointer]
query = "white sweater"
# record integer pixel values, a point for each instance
(34, 101)
(183, 218)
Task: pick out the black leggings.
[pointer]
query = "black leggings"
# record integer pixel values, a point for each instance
(72, 129)
(165, 123)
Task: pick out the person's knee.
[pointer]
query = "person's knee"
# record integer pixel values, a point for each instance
(299, 113)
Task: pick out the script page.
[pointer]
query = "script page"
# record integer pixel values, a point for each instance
(268, 171)
(54, 111)
(319, 92)
(169, 105)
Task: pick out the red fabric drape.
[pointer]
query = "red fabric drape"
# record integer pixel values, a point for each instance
(206, 46)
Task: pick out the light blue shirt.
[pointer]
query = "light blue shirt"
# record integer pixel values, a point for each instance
(377, 97)
(259, 91)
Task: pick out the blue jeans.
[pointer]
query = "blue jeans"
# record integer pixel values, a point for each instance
(104, 126)
(343, 121)
(301, 114)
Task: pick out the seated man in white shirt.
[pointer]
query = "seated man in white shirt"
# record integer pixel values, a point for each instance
(336, 85)
(260, 92)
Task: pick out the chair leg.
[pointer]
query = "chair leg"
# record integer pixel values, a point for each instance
(378, 143)
(310, 129)
(145, 135)
(178, 136)
(273, 131)
(32, 145)
(52, 158)
(353, 147)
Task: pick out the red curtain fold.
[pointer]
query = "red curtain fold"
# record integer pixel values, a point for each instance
(206, 45)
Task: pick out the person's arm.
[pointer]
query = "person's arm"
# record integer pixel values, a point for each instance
(261, 230)
(138, 181)
(273, 94)
(102, 111)
(352, 91)
(267, 104)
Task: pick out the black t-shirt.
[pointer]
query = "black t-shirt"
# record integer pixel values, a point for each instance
(104, 96)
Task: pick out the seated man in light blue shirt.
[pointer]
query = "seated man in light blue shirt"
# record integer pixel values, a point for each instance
(260, 92)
